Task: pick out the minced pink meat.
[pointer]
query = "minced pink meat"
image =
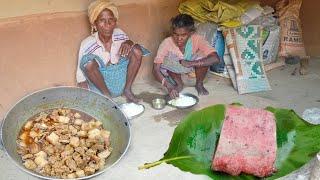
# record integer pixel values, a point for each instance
(247, 143)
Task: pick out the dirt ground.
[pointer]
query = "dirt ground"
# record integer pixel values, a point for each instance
(152, 131)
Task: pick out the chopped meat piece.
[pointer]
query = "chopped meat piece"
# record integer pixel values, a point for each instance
(53, 138)
(28, 125)
(94, 133)
(49, 149)
(34, 148)
(27, 156)
(29, 164)
(40, 161)
(89, 170)
(80, 173)
(78, 122)
(104, 154)
(73, 130)
(77, 115)
(72, 176)
(24, 136)
(85, 127)
(82, 133)
(91, 152)
(71, 164)
(60, 144)
(101, 163)
(41, 154)
(64, 119)
(74, 141)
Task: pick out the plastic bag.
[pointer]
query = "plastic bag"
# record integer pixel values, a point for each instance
(270, 46)
(219, 45)
(208, 31)
(251, 14)
(312, 115)
(215, 38)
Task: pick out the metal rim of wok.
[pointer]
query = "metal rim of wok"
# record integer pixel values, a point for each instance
(31, 172)
(184, 107)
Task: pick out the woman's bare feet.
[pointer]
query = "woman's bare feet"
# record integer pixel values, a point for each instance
(201, 90)
(130, 96)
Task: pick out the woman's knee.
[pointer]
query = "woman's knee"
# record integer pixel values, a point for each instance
(91, 66)
(137, 52)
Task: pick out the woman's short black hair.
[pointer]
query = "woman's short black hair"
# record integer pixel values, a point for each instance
(183, 21)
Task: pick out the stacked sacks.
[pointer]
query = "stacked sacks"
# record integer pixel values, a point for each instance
(251, 39)
(229, 64)
(240, 55)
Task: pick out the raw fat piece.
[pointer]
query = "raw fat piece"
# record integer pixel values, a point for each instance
(247, 143)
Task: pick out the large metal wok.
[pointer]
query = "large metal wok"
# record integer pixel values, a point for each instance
(98, 106)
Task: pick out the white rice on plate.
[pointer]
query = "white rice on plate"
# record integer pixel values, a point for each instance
(183, 101)
(131, 109)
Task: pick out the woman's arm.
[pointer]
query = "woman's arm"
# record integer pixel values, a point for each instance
(173, 93)
(209, 60)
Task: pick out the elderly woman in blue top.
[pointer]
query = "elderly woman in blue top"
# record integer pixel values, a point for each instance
(108, 60)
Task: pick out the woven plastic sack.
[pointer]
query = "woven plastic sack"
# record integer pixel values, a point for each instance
(244, 45)
(291, 43)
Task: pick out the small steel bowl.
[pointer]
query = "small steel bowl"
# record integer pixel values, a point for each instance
(158, 103)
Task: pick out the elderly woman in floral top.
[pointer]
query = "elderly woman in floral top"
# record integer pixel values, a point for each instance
(183, 52)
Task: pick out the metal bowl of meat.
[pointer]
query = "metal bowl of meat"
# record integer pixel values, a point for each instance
(184, 101)
(65, 132)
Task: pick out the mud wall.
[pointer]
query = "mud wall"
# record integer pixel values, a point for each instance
(40, 50)
(39, 40)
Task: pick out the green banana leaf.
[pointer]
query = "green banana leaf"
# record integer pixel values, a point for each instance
(195, 139)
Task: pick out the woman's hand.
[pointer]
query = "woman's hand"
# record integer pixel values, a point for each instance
(125, 48)
(185, 63)
(173, 92)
